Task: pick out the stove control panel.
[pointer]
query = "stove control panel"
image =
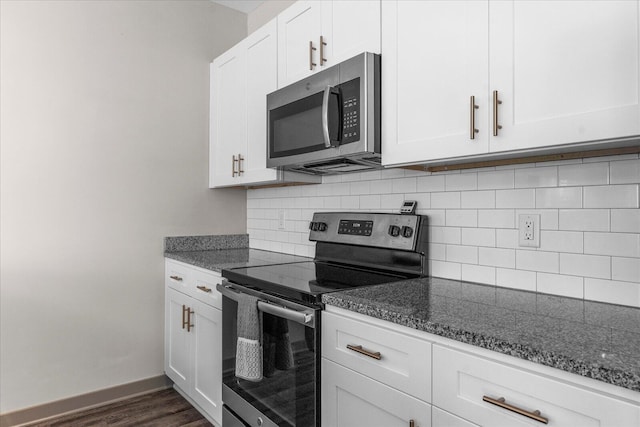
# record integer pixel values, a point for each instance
(384, 230)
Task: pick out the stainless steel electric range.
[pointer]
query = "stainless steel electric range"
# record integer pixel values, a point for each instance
(352, 250)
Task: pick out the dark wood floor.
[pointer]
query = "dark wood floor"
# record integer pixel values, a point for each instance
(165, 408)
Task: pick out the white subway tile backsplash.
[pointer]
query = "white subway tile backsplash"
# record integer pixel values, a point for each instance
(611, 196)
(561, 241)
(495, 257)
(617, 244)
(584, 174)
(584, 219)
(461, 218)
(614, 292)
(569, 197)
(626, 269)
(590, 221)
(585, 265)
(556, 284)
(625, 220)
(507, 238)
(548, 262)
(525, 198)
(463, 181)
(536, 177)
(404, 185)
(478, 199)
(445, 200)
(462, 254)
(496, 218)
(496, 180)
(447, 270)
(625, 172)
(431, 183)
(370, 202)
(479, 237)
(479, 274)
(516, 279)
(445, 235)
(359, 187)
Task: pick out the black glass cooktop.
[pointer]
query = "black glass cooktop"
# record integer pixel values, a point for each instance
(307, 281)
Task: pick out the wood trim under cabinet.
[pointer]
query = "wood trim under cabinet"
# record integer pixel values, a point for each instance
(84, 401)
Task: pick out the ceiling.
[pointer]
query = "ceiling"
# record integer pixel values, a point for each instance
(244, 6)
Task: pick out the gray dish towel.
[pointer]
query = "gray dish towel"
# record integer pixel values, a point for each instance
(248, 348)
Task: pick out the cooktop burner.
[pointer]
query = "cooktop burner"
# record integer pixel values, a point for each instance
(307, 281)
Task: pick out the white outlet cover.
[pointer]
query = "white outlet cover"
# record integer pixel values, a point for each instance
(524, 231)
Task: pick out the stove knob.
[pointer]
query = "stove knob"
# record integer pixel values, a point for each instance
(407, 231)
(315, 226)
(311, 224)
(394, 230)
(322, 226)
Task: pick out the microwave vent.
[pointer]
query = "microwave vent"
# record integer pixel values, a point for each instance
(339, 166)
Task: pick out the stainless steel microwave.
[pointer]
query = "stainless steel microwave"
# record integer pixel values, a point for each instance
(328, 123)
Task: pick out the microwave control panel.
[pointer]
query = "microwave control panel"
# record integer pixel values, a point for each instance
(350, 111)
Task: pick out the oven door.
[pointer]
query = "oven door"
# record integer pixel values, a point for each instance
(288, 394)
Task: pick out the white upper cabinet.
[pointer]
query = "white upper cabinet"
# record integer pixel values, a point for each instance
(241, 78)
(564, 72)
(434, 60)
(314, 35)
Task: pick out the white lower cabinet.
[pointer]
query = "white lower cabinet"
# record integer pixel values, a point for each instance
(350, 399)
(461, 382)
(193, 336)
(388, 389)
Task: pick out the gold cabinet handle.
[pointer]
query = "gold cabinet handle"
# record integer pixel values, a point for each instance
(535, 415)
(311, 49)
(204, 289)
(184, 316)
(473, 107)
(177, 278)
(240, 160)
(322, 45)
(359, 349)
(496, 102)
(189, 324)
(412, 423)
(234, 172)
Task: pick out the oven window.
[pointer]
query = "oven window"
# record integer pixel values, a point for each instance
(287, 392)
(296, 128)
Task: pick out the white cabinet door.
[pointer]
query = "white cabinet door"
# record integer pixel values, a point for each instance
(435, 59)
(298, 26)
(440, 418)
(228, 119)
(351, 399)
(565, 71)
(350, 27)
(262, 78)
(206, 390)
(177, 350)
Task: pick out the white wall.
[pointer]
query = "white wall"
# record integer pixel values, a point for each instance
(590, 222)
(104, 146)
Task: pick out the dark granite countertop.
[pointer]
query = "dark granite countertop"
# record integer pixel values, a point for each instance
(219, 259)
(595, 340)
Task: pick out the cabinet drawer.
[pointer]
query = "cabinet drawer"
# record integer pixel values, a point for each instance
(405, 362)
(177, 276)
(204, 289)
(440, 418)
(350, 399)
(460, 381)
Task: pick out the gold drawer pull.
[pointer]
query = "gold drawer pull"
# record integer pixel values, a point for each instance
(496, 102)
(473, 108)
(204, 288)
(359, 349)
(535, 415)
(178, 278)
(412, 423)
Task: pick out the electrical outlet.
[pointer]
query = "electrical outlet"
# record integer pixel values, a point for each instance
(529, 230)
(281, 219)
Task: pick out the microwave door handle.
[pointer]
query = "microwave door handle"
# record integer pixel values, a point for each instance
(325, 115)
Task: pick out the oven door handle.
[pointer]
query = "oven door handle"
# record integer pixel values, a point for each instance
(302, 317)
